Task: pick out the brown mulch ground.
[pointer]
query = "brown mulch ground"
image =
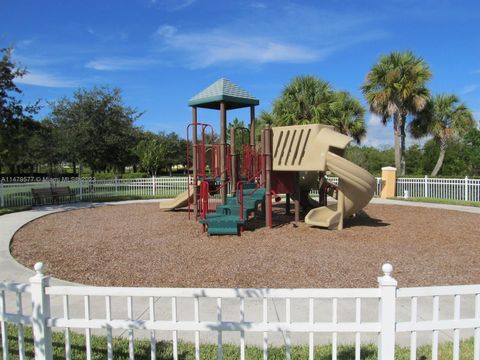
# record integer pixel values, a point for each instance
(138, 245)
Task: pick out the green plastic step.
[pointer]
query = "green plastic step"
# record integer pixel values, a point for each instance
(222, 231)
(226, 219)
(218, 219)
(222, 224)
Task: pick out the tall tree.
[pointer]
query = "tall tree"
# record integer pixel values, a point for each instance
(15, 118)
(175, 152)
(395, 88)
(305, 100)
(444, 117)
(98, 128)
(42, 147)
(472, 150)
(241, 136)
(151, 153)
(310, 100)
(347, 115)
(265, 118)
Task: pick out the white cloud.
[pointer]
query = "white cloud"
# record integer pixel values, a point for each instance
(204, 49)
(118, 64)
(469, 89)
(38, 78)
(286, 33)
(258, 5)
(378, 135)
(172, 5)
(374, 120)
(166, 31)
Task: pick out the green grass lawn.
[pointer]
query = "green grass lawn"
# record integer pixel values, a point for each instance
(209, 351)
(441, 201)
(9, 210)
(99, 197)
(99, 194)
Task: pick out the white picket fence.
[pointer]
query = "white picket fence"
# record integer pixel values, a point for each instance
(440, 188)
(19, 194)
(104, 316)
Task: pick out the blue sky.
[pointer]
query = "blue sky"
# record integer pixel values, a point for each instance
(163, 52)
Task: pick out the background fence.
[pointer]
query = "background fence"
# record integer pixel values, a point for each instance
(308, 312)
(452, 189)
(19, 194)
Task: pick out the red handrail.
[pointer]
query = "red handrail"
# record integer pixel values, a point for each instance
(204, 199)
(200, 151)
(240, 188)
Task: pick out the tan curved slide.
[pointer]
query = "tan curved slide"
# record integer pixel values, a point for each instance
(312, 148)
(179, 202)
(357, 186)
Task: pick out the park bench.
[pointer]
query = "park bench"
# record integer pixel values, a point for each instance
(63, 194)
(43, 196)
(55, 195)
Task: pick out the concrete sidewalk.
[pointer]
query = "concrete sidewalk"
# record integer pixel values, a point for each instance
(462, 208)
(11, 270)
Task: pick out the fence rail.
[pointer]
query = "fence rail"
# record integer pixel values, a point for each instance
(19, 194)
(107, 309)
(452, 189)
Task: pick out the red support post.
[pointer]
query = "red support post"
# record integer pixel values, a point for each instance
(268, 170)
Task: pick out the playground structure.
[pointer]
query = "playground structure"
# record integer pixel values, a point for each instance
(230, 180)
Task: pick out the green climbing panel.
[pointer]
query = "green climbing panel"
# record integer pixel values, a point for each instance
(226, 220)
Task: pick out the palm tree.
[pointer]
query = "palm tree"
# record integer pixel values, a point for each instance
(265, 118)
(394, 88)
(310, 100)
(444, 117)
(347, 116)
(305, 100)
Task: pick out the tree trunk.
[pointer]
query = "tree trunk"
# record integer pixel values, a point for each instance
(74, 165)
(441, 157)
(397, 141)
(403, 119)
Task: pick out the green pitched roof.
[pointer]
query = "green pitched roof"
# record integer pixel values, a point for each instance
(223, 90)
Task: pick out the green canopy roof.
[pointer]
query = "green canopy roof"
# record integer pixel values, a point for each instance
(223, 90)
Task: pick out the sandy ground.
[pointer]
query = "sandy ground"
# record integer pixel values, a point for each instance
(138, 245)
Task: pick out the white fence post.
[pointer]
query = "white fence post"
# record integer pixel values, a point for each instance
(2, 196)
(466, 188)
(80, 193)
(388, 294)
(154, 185)
(42, 335)
(425, 187)
(116, 184)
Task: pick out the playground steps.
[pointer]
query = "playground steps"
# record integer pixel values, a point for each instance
(226, 220)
